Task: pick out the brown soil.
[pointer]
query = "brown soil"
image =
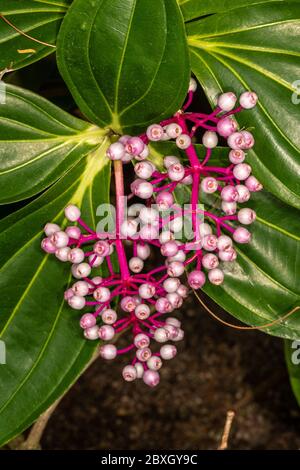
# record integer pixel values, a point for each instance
(217, 369)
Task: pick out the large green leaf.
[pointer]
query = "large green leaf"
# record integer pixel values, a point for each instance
(258, 48)
(45, 348)
(125, 61)
(292, 357)
(39, 19)
(38, 143)
(262, 285)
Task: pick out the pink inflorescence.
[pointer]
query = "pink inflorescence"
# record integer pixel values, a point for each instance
(147, 297)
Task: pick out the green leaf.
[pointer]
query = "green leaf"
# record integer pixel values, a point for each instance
(292, 357)
(39, 19)
(262, 285)
(192, 9)
(38, 143)
(257, 48)
(44, 346)
(125, 61)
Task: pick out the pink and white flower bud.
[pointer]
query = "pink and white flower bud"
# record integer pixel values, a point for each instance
(87, 321)
(128, 304)
(73, 232)
(148, 215)
(68, 294)
(151, 378)
(209, 185)
(204, 229)
(129, 373)
(248, 99)
(170, 160)
(164, 200)
(227, 126)
(193, 85)
(72, 213)
(253, 184)
(168, 351)
(109, 316)
(108, 351)
(95, 260)
(63, 253)
(129, 228)
(176, 172)
(180, 256)
(175, 269)
(139, 370)
(116, 151)
(77, 302)
(166, 236)
(134, 146)
(175, 299)
(102, 294)
(187, 180)
(209, 242)
(173, 321)
(143, 189)
(176, 224)
(59, 239)
(183, 141)
(210, 261)
(142, 312)
(183, 291)
(136, 264)
(229, 193)
(246, 216)
(236, 141)
(149, 232)
(229, 208)
(106, 332)
(210, 139)
(196, 279)
(91, 333)
(173, 130)
(227, 101)
(241, 171)
(141, 341)
(80, 288)
(76, 255)
(172, 331)
(169, 248)
(146, 291)
(155, 132)
(216, 276)
(97, 280)
(163, 305)
(124, 139)
(143, 354)
(144, 154)
(101, 248)
(154, 363)
(161, 335)
(249, 139)
(171, 284)
(224, 243)
(237, 156)
(228, 255)
(144, 170)
(143, 251)
(50, 229)
(179, 336)
(81, 270)
(244, 193)
(242, 235)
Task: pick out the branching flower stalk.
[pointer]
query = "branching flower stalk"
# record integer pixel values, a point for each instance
(146, 297)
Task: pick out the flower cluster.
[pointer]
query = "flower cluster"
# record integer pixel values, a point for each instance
(145, 297)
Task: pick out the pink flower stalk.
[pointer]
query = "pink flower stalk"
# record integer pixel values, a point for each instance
(146, 297)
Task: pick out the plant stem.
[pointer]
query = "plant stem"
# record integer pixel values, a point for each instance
(120, 198)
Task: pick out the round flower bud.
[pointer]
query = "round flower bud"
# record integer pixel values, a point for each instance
(175, 269)
(227, 126)
(176, 224)
(143, 190)
(224, 243)
(95, 260)
(146, 291)
(216, 276)
(180, 256)
(129, 228)
(168, 351)
(226, 101)
(148, 215)
(76, 255)
(143, 251)
(72, 212)
(210, 261)
(81, 270)
(166, 236)
(136, 264)
(236, 141)
(229, 208)
(50, 229)
(169, 248)
(170, 160)
(87, 320)
(210, 139)
(183, 291)
(91, 333)
(246, 216)
(161, 335)
(116, 151)
(172, 330)
(249, 139)
(77, 302)
(108, 351)
(237, 156)
(141, 341)
(144, 154)
(173, 130)
(180, 335)
(144, 170)
(209, 242)
(128, 304)
(241, 171)
(148, 232)
(80, 288)
(164, 200)
(196, 279)
(106, 332)
(228, 255)
(176, 172)
(68, 294)
(59, 239)
(142, 311)
(129, 373)
(183, 141)
(248, 99)
(154, 363)
(209, 185)
(143, 354)
(63, 253)
(109, 316)
(73, 232)
(139, 370)
(171, 284)
(101, 248)
(244, 193)
(102, 294)
(97, 280)
(163, 305)
(134, 146)
(48, 246)
(229, 193)
(175, 299)
(155, 132)
(173, 321)
(151, 378)
(242, 235)
(204, 229)
(253, 184)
